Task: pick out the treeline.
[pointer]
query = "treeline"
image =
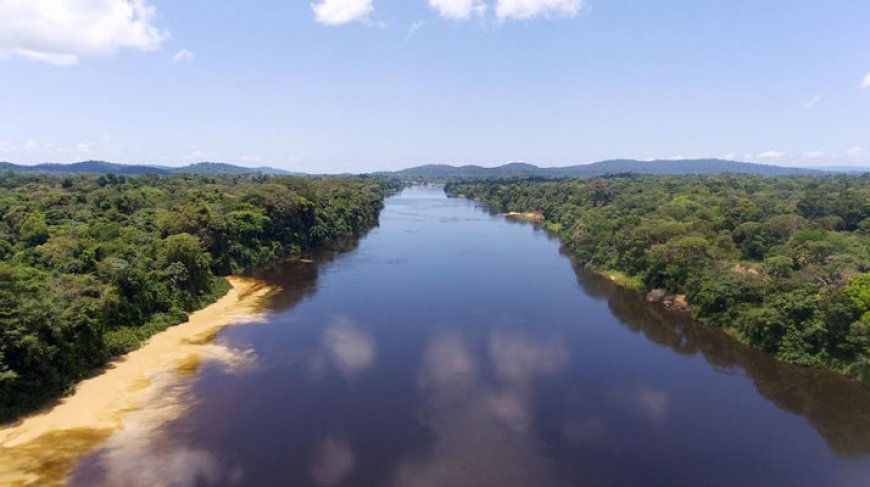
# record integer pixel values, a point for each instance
(90, 266)
(782, 263)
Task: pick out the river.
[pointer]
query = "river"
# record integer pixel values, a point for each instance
(453, 347)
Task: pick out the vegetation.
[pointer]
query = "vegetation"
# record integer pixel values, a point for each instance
(92, 265)
(782, 263)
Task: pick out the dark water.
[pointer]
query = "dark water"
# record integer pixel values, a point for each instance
(456, 348)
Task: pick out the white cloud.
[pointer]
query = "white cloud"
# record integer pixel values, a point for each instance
(62, 32)
(865, 83)
(812, 102)
(815, 154)
(855, 151)
(183, 56)
(414, 28)
(729, 156)
(771, 154)
(338, 12)
(458, 9)
(527, 9)
(201, 155)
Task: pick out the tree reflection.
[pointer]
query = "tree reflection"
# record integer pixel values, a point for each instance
(836, 406)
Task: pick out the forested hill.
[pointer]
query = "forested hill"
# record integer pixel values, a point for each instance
(783, 263)
(442, 172)
(92, 265)
(102, 167)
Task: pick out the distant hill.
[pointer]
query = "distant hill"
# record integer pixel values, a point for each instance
(518, 170)
(445, 172)
(846, 169)
(223, 168)
(102, 167)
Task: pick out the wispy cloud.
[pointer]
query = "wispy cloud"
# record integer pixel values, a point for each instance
(338, 12)
(865, 83)
(771, 154)
(183, 56)
(8, 147)
(414, 28)
(812, 102)
(527, 9)
(458, 9)
(64, 32)
(855, 151)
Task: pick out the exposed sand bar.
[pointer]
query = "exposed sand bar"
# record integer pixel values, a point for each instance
(529, 216)
(42, 448)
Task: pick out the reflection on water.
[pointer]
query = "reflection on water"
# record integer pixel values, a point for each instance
(345, 347)
(482, 426)
(143, 454)
(837, 407)
(454, 347)
(333, 461)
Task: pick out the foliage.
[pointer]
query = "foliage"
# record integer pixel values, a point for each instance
(781, 262)
(90, 266)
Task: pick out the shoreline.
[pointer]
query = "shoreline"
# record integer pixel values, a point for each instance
(529, 216)
(42, 448)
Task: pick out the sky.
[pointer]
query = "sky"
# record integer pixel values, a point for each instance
(362, 85)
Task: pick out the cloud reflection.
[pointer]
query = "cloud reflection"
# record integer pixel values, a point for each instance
(518, 359)
(481, 423)
(448, 363)
(177, 467)
(345, 347)
(647, 402)
(333, 461)
(582, 430)
(144, 454)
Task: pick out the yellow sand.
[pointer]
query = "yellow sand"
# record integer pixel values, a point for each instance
(527, 216)
(42, 449)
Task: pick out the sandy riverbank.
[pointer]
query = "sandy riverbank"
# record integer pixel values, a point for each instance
(41, 449)
(530, 216)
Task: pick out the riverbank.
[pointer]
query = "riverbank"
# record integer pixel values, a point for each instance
(528, 216)
(42, 448)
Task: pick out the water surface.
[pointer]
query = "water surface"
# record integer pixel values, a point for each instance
(453, 347)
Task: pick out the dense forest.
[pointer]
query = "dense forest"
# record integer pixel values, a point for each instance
(90, 266)
(781, 263)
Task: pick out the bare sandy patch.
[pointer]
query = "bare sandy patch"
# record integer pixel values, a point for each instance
(529, 216)
(138, 391)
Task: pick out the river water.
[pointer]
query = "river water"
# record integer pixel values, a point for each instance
(453, 347)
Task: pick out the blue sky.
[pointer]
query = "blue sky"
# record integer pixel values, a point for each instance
(358, 85)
